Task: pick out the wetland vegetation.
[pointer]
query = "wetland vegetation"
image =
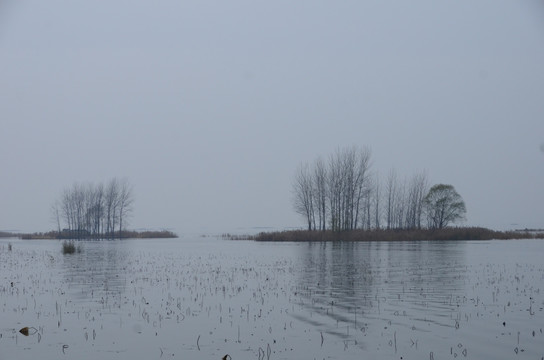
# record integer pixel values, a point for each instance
(450, 233)
(125, 234)
(70, 247)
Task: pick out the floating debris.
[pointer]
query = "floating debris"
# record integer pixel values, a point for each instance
(26, 331)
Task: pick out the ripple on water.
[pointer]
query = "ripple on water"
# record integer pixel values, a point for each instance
(206, 298)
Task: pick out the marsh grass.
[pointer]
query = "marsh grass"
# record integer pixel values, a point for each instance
(125, 234)
(162, 234)
(454, 233)
(228, 236)
(69, 247)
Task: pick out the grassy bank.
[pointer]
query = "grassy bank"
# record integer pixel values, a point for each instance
(5, 234)
(164, 234)
(457, 233)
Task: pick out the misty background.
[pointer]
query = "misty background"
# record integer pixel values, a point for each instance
(208, 107)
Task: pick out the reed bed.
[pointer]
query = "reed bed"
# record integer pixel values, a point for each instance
(70, 235)
(453, 233)
(70, 247)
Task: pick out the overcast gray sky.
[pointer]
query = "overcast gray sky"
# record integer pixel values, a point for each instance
(207, 107)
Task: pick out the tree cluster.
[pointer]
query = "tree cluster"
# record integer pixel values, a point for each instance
(94, 211)
(343, 194)
(334, 194)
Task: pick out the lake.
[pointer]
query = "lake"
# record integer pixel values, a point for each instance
(203, 298)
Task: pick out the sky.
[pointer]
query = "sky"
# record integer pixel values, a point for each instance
(208, 107)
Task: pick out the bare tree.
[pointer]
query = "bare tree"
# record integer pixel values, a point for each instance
(335, 189)
(361, 184)
(367, 210)
(55, 214)
(72, 208)
(124, 203)
(320, 192)
(89, 195)
(111, 203)
(371, 204)
(377, 199)
(400, 206)
(67, 209)
(348, 186)
(391, 197)
(343, 194)
(303, 195)
(419, 187)
(336, 194)
(98, 209)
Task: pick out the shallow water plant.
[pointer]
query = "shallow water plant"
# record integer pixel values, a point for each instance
(69, 247)
(273, 301)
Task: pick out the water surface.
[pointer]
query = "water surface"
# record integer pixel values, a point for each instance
(202, 298)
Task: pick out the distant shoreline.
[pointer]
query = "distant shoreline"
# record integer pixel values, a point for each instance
(454, 233)
(65, 234)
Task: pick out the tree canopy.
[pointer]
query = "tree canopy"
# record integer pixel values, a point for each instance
(443, 205)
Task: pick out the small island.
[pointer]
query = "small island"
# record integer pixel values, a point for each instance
(451, 233)
(343, 200)
(94, 211)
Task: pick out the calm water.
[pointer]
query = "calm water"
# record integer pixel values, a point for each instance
(203, 298)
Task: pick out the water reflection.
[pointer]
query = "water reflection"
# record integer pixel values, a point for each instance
(360, 284)
(96, 274)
